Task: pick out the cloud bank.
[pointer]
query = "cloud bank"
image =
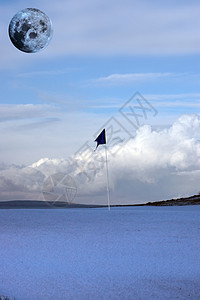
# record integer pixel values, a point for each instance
(154, 165)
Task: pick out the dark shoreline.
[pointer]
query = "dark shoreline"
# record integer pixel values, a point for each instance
(193, 200)
(35, 204)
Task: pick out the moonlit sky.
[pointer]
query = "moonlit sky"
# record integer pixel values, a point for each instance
(102, 53)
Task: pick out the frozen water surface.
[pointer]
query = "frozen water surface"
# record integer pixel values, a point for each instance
(128, 253)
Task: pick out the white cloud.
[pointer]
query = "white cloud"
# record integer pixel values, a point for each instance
(190, 100)
(19, 183)
(25, 111)
(115, 79)
(155, 165)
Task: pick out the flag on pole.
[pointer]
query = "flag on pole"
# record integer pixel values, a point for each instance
(101, 139)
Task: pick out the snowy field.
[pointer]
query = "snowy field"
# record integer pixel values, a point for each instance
(128, 253)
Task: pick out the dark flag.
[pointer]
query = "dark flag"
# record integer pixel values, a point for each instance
(101, 139)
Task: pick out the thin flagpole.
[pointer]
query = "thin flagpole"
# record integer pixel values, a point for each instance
(108, 187)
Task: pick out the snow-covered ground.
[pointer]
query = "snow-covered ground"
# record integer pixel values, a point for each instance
(128, 253)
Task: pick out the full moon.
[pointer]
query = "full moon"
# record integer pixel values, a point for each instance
(30, 30)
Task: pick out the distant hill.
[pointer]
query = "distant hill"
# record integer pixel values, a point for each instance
(41, 204)
(193, 200)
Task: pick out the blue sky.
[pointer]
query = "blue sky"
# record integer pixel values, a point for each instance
(101, 53)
